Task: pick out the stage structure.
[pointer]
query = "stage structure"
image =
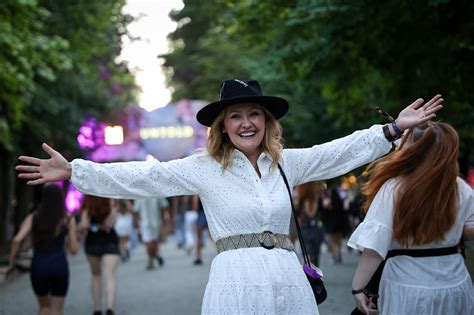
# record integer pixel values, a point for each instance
(165, 134)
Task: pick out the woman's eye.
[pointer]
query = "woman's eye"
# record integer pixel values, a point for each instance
(254, 113)
(234, 116)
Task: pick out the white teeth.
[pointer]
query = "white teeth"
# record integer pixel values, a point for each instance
(247, 134)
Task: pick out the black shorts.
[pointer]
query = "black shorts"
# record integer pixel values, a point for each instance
(102, 242)
(49, 274)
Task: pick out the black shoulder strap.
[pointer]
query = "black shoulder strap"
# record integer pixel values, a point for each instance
(428, 252)
(298, 229)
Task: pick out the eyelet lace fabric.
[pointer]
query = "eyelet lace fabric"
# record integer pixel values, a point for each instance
(423, 285)
(238, 201)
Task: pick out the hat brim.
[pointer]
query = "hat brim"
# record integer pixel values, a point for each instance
(277, 106)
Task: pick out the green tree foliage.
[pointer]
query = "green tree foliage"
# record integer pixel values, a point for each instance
(95, 85)
(58, 65)
(202, 52)
(334, 60)
(26, 54)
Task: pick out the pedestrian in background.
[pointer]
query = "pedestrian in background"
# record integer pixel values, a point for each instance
(102, 248)
(150, 212)
(417, 210)
(124, 226)
(201, 227)
(333, 218)
(189, 226)
(242, 191)
(52, 229)
(307, 203)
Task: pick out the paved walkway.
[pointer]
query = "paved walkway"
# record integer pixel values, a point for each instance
(176, 288)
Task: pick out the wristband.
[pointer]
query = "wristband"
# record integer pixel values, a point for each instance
(354, 292)
(397, 130)
(388, 135)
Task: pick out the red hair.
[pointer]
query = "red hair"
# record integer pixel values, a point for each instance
(97, 207)
(426, 169)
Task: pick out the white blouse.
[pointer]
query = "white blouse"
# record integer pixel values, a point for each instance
(425, 285)
(238, 201)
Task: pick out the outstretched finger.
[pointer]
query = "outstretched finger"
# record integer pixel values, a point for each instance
(49, 150)
(27, 168)
(433, 109)
(29, 176)
(29, 159)
(427, 117)
(433, 99)
(417, 103)
(36, 182)
(435, 103)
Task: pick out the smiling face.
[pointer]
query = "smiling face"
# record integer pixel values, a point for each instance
(245, 126)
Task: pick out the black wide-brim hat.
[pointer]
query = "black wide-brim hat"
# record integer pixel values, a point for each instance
(236, 92)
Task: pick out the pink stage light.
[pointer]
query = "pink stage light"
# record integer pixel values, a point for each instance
(73, 199)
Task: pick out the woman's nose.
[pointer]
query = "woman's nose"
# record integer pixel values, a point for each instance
(246, 122)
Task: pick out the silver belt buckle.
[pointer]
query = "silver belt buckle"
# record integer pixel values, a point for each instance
(268, 235)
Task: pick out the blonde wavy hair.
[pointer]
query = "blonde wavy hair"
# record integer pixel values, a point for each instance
(221, 148)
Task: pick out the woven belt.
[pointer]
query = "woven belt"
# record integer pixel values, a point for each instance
(266, 239)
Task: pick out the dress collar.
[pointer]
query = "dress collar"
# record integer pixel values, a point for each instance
(239, 155)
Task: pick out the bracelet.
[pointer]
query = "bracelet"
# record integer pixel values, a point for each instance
(397, 130)
(354, 292)
(388, 135)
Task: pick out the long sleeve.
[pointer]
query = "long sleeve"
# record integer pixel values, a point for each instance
(337, 157)
(135, 180)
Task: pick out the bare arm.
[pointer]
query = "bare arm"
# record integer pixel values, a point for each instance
(72, 236)
(468, 233)
(25, 229)
(84, 224)
(368, 263)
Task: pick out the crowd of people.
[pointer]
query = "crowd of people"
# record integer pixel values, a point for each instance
(106, 228)
(238, 180)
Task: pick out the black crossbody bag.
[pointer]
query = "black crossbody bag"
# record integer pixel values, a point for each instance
(313, 274)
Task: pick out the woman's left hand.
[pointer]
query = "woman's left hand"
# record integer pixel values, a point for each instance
(419, 112)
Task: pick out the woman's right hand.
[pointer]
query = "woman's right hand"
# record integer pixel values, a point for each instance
(57, 168)
(365, 304)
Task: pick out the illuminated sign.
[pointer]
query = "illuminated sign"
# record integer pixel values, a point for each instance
(113, 135)
(167, 132)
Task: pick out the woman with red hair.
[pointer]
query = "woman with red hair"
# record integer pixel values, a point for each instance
(417, 209)
(101, 247)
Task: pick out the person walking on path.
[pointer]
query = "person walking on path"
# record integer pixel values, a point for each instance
(124, 227)
(201, 227)
(150, 212)
(51, 228)
(417, 210)
(102, 248)
(331, 209)
(242, 191)
(307, 202)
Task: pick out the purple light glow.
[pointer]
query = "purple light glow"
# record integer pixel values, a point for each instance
(91, 134)
(73, 199)
(86, 131)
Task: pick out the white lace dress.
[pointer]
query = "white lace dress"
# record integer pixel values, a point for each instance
(238, 201)
(426, 285)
